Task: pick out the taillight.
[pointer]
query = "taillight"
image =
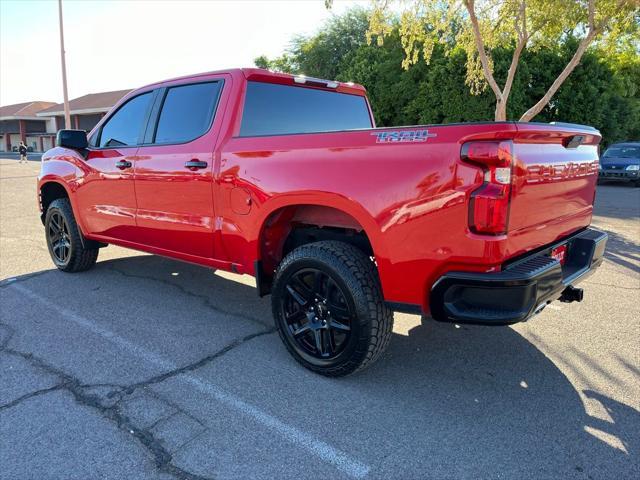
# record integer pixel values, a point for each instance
(489, 210)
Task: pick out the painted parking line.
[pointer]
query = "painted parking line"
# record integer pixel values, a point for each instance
(317, 447)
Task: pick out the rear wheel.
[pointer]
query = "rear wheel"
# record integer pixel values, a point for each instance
(329, 310)
(64, 240)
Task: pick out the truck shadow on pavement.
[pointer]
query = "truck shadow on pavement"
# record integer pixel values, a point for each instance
(449, 401)
(623, 252)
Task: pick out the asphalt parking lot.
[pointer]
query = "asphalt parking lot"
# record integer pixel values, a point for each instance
(148, 368)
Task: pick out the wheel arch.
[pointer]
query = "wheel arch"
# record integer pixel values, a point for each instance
(53, 187)
(287, 225)
(50, 189)
(65, 168)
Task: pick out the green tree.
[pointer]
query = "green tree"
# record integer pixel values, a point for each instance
(603, 92)
(480, 27)
(324, 54)
(283, 63)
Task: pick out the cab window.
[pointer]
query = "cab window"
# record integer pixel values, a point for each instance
(187, 112)
(272, 109)
(124, 128)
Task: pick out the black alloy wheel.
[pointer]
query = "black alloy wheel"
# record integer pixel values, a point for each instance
(328, 306)
(68, 250)
(316, 313)
(59, 238)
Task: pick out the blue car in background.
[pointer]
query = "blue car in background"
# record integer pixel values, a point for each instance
(621, 162)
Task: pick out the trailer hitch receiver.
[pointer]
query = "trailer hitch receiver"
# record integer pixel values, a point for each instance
(572, 294)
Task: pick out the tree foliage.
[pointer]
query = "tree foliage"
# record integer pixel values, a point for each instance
(479, 27)
(604, 91)
(326, 51)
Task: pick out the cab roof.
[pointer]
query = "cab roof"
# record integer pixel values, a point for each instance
(260, 74)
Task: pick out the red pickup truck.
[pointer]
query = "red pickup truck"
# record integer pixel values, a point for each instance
(287, 179)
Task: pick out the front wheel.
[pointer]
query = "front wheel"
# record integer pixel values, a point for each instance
(63, 239)
(329, 310)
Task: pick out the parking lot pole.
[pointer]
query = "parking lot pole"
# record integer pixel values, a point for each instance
(67, 116)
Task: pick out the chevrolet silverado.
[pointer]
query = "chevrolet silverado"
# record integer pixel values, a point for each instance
(287, 178)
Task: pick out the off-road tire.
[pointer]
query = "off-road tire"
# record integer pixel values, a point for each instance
(79, 258)
(356, 275)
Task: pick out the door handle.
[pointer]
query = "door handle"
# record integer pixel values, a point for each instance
(195, 164)
(122, 164)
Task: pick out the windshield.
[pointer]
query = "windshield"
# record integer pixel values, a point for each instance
(622, 152)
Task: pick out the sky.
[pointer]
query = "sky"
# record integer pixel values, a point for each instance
(122, 44)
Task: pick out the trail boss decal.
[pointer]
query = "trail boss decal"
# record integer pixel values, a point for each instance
(397, 136)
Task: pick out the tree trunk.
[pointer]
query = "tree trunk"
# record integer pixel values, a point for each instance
(573, 63)
(484, 59)
(501, 110)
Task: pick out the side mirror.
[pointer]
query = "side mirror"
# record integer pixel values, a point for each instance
(73, 139)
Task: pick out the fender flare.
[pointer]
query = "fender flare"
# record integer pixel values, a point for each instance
(321, 199)
(50, 178)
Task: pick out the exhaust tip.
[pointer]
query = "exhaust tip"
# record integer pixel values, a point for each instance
(540, 308)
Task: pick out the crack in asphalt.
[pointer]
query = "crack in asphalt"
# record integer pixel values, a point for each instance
(204, 298)
(5, 341)
(109, 409)
(200, 363)
(29, 395)
(82, 396)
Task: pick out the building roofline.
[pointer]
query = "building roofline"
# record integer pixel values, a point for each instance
(81, 111)
(21, 117)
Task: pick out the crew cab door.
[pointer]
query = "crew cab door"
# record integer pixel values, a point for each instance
(106, 196)
(174, 169)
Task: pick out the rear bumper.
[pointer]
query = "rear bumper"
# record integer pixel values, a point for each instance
(521, 289)
(619, 175)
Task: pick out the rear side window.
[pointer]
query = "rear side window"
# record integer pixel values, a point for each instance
(187, 112)
(125, 126)
(272, 109)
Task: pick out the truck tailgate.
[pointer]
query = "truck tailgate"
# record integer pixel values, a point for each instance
(554, 179)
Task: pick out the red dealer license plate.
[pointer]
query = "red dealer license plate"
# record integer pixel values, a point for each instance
(560, 253)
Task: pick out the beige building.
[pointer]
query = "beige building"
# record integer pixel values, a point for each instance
(20, 122)
(36, 123)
